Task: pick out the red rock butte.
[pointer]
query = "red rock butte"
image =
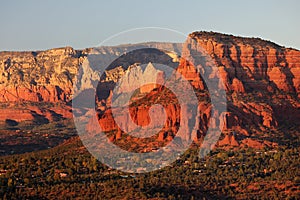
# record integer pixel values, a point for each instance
(261, 78)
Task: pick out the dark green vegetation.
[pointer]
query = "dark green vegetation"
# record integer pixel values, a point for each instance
(26, 137)
(68, 171)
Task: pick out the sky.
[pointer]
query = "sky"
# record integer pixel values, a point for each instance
(39, 25)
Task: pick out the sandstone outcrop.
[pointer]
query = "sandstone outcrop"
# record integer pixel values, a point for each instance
(45, 76)
(253, 72)
(251, 63)
(136, 78)
(261, 79)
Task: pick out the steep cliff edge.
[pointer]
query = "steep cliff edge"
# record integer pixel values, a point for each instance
(252, 64)
(42, 77)
(45, 76)
(261, 78)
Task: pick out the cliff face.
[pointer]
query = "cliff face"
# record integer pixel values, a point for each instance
(262, 81)
(249, 64)
(49, 76)
(45, 76)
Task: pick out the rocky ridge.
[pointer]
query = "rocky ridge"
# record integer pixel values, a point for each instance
(262, 81)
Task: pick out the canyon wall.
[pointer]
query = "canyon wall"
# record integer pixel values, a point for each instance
(261, 79)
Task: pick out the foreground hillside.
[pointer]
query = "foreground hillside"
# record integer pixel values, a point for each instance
(70, 172)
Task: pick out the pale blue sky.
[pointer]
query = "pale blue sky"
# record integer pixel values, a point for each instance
(36, 24)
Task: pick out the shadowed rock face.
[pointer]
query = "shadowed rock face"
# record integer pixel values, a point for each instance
(262, 81)
(137, 78)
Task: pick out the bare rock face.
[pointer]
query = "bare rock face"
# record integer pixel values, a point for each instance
(253, 63)
(253, 72)
(189, 72)
(229, 140)
(237, 85)
(38, 76)
(135, 78)
(262, 81)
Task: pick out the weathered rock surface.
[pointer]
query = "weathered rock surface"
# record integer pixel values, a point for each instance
(46, 76)
(136, 78)
(252, 64)
(253, 72)
(262, 81)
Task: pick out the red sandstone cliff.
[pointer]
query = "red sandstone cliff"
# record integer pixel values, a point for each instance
(262, 81)
(260, 78)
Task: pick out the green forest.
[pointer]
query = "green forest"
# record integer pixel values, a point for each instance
(68, 171)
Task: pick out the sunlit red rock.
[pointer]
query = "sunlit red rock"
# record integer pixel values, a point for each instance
(262, 81)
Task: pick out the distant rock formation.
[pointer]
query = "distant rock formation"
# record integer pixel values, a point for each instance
(249, 64)
(261, 78)
(146, 80)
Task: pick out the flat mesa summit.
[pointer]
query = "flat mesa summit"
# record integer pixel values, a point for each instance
(261, 78)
